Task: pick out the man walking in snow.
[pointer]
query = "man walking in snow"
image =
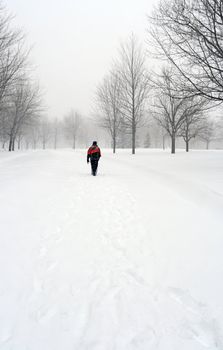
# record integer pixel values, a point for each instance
(94, 154)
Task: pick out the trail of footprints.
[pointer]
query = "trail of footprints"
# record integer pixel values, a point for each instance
(110, 282)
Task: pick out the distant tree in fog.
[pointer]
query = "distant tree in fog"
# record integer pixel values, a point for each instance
(192, 127)
(55, 130)
(108, 100)
(134, 84)
(3, 128)
(147, 141)
(72, 123)
(32, 134)
(45, 132)
(208, 132)
(24, 104)
(175, 110)
(35, 134)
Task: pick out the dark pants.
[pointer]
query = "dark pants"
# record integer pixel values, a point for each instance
(94, 166)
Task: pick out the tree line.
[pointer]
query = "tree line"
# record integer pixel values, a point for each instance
(23, 116)
(40, 132)
(178, 96)
(133, 101)
(20, 98)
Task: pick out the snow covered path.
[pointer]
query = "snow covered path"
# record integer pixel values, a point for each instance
(130, 259)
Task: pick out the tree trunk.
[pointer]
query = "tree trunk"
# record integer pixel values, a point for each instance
(13, 144)
(10, 144)
(74, 142)
(55, 142)
(19, 143)
(187, 145)
(122, 141)
(114, 144)
(133, 140)
(164, 142)
(173, 143)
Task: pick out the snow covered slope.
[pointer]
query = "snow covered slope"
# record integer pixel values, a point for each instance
(130, 259)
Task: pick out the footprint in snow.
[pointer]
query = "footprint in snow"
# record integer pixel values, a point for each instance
(45, 314)
(205, 333)
(183, 297)
(59, 239)
(43, 252)
(51, 266)
(38, 285)
(144, 340)
(5, 335)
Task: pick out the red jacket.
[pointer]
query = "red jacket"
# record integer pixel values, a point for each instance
(94, 153)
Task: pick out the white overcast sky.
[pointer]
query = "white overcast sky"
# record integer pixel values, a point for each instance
(74, 42)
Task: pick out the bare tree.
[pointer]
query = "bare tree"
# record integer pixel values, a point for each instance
(55, 132)
(173, 109)
(192, 127)
(45, 132)
(189, 33)
(72, 123)
(134, 82)
(13, 59)
(108, 105)
(24, 105)
(157, 133)
(13, 56)
(210, 132)
(147, 141)
(3, 128)
(33, 133)
(124, 136)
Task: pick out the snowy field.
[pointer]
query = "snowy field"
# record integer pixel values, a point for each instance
(129, 260)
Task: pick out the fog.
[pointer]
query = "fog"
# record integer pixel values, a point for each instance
(73, 44)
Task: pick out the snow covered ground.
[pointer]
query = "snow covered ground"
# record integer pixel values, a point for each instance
(130, 259)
